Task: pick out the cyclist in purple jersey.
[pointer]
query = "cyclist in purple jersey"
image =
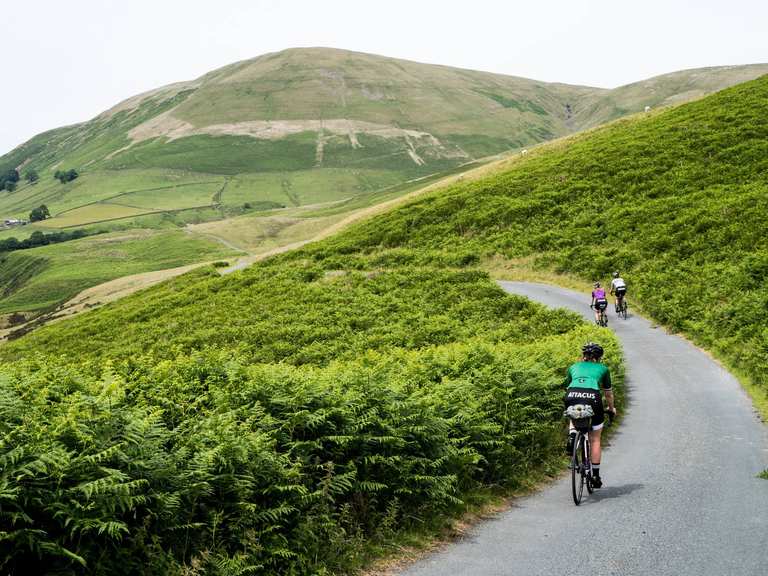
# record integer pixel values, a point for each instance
(599, 301)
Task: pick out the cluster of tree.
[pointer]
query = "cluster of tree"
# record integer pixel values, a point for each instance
(39, 238)
(39, 213)
(9, 180)
(31, 176)
(65, 176)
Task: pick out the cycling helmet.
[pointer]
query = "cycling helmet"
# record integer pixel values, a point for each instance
(615, 274)
(592, 350)
(597, 284)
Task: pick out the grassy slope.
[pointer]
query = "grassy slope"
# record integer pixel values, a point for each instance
(162, 184)
(665, 90)
(479, 113)
(41, 278)
(677, 202)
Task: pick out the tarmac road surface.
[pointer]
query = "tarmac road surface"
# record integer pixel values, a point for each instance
(680, 490)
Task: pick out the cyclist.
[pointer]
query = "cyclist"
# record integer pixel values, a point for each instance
(599, 301)
(585, 379)
(619, 287)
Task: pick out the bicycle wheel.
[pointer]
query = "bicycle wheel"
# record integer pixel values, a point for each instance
(624, 309)
(587, 473)
(577, 469)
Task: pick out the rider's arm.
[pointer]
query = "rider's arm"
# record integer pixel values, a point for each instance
(568, 378)
(607, 386)
(609, 399)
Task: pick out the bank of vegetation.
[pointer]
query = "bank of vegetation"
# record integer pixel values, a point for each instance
(345, 409)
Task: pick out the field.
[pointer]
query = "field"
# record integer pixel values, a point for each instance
(40, 278)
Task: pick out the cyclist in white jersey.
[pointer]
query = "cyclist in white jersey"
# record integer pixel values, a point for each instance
(619, 287)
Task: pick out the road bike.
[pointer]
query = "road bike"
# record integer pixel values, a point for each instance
(581, 466)
(622, 309)
(602, 318)
(621, 306)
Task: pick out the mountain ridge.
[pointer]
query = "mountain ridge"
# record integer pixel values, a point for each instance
(328, 61)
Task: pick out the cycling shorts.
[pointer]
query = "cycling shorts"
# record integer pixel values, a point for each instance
(587, 396)
(621, 291)
(601, 303)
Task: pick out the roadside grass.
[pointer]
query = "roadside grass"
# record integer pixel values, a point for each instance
(67, 268)
(526, 269)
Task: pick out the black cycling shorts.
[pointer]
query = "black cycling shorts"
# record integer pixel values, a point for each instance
(587, 396)
(621, 291)
(601, 303)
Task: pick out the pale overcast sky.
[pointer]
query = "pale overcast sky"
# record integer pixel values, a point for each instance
(66, 61)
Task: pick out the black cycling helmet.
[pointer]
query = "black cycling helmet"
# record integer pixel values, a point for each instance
(592, 350)
(597, 284)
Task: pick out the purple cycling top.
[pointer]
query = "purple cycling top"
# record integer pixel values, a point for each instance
(598, 293)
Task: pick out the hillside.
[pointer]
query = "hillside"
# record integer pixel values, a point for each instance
(271, 150)
(379, 381)
(296, 127)
(674, 200)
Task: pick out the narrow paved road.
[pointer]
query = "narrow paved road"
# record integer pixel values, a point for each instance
(680, 495)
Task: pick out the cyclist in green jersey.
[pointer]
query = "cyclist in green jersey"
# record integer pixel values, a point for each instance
(585, 380)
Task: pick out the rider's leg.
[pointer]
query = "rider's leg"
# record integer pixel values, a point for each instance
(571, 438)
(594, 441)
(595, 451)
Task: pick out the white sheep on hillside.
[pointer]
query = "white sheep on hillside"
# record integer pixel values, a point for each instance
(647, 109)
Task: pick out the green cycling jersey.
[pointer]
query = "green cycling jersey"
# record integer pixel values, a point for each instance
(588, 375)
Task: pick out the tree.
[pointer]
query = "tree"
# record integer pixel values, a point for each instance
(39, 213)
(64, 176)
(8, 179)
(32, 176)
